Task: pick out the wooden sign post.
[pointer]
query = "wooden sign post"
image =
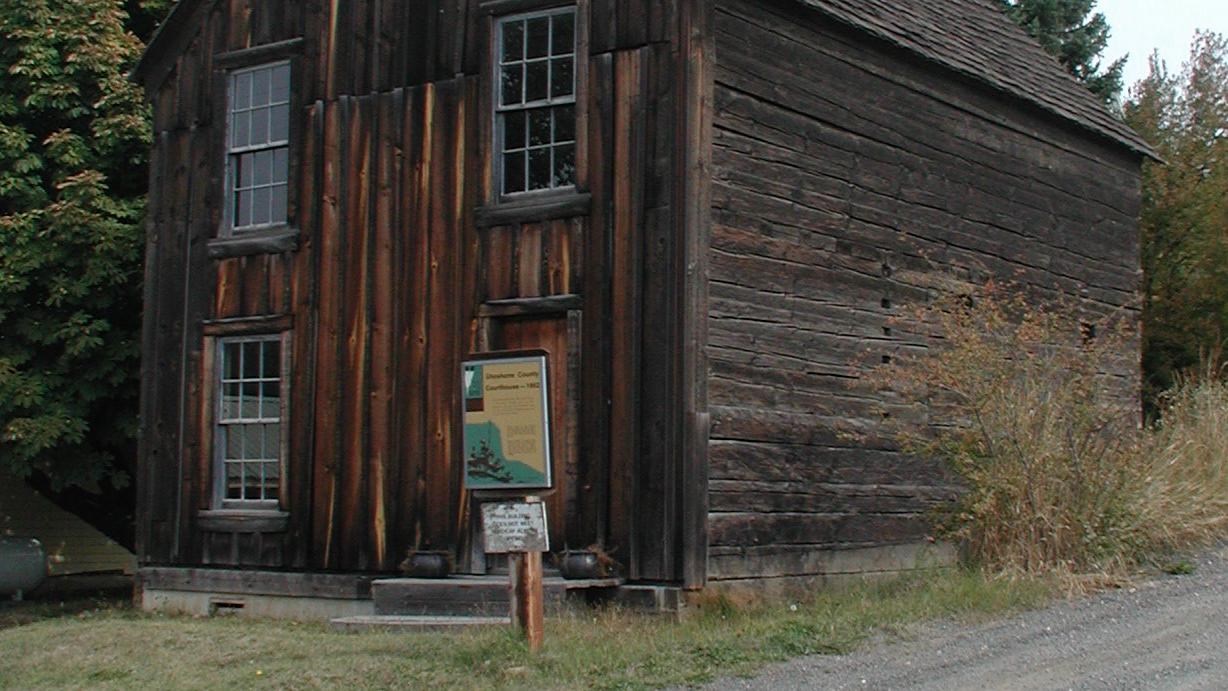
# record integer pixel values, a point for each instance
(507, 448)
(518, 528)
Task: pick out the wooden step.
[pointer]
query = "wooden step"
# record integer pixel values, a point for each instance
(473, 595)
(409, 624)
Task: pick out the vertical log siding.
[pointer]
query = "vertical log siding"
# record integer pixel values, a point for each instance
(394, 278)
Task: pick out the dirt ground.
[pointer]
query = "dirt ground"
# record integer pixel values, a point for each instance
(1166, 633)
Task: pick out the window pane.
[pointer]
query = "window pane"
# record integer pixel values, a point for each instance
(279, 123)
(260, 127)
(230, 360)
(260, 87)
(513, 41)
(234, 482)
(243, 212)
(261, 199)
(281, 164)
(539, 169)
(565, 165)
(252, 439)
(240, 129)
(538, 37)
(230, 401)
(277, 206)
(536, 80)
(270, 400)
(280, 88)
(262, 167)
(271, 363)
(563, 41)
(562, 78)
(272, 440)
(251, 480)
(513, 130)
(272, 480)
(234, 442)
(512, 81)
(242, 170)
(564, 124)
(513, 172)
(251, 359)
(539, 127)
(243, 91)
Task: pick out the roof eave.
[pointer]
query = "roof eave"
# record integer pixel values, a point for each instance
(167, 40)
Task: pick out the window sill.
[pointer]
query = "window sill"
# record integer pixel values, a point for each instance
(273, 240)
(535, 208)
(243, 521)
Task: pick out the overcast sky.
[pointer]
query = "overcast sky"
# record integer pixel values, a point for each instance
(1141, 26)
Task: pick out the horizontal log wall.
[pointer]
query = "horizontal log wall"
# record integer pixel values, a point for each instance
(848, 183)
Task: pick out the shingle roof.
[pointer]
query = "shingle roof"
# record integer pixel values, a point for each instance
(976, 37)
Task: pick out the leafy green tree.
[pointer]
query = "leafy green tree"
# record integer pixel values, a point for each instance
(1184, 219)
(74, 133)
(1072, 32)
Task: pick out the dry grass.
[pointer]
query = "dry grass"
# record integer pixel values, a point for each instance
(1059, 476)
(1185, 491)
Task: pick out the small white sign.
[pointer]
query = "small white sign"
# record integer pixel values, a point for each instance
(515, 526)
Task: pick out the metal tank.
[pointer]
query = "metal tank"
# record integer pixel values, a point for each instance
(23, 565)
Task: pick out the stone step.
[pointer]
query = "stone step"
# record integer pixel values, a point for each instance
(409, 623)
(474, 595)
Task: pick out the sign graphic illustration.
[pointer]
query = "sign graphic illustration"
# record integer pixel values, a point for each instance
(507, 426)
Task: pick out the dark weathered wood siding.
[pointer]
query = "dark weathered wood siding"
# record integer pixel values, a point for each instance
(399, 272)
(851, 179)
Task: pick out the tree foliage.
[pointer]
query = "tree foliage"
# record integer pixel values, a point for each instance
(74, 133)
(1076, 35)
(1184, 219)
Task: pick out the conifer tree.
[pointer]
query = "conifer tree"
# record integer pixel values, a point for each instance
(1076, 35)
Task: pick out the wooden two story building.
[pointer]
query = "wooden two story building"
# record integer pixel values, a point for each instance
(704, 211)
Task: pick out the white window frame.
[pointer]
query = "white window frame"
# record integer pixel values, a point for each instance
(550, 102)
(222, 425)
(229, 227)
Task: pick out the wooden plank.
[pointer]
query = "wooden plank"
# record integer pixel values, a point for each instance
(655, 547)
(440, 383)
(414, 335)
(694, 205)
(498, 250)
(327, 447)
(383, 351)
(304, 288)
(529, 260)
(332, 586)
(815, 529)
(604, 513)
(351, 528)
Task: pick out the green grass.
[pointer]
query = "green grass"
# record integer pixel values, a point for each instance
(122, 649)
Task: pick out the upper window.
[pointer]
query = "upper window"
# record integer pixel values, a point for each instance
(257, 146)
(535, 109)
(249, 422)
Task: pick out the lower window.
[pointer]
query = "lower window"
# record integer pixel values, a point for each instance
(249, 446)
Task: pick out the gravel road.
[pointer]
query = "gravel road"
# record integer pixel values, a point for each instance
(1169, 633)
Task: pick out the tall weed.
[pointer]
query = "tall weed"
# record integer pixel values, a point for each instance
(1037, 412)
(1186, 456)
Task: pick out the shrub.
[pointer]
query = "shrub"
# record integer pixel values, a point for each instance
(1025, 407)
(1030, 407)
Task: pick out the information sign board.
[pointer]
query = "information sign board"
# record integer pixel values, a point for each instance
(507, 423)
(515, 526)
